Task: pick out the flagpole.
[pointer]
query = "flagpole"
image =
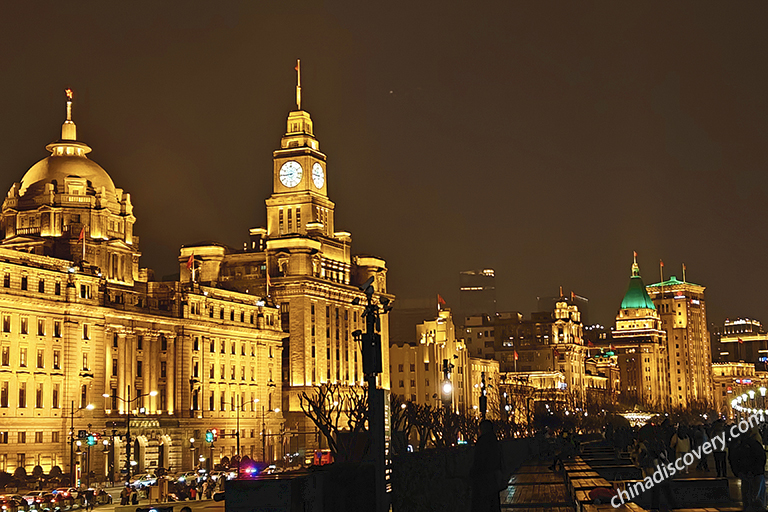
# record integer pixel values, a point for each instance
(683, 272)
(83, 243)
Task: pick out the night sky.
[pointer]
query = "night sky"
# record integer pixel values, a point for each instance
(545, 140)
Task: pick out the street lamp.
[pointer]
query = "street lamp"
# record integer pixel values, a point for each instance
(72, 412)
(128, 401)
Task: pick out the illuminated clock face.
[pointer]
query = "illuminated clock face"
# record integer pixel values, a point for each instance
(318, 175)
(290, 173)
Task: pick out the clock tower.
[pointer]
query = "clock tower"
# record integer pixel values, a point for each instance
(299, 204)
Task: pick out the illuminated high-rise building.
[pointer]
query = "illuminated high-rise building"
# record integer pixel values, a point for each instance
(683, 313)
(639, 343)
(477, 292)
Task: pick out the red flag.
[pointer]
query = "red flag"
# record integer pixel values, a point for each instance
(269, 281)
(82, 234)
(190, 261)
(440, 300)
(516, 356)
(741, 340)
(661, 263)
(634, 253)
(590, 344)
(557, 354)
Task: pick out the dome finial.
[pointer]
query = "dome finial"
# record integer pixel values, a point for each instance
(635, 266)
(68, 129)
(298, 84)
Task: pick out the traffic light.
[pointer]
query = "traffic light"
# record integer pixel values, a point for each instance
(208, 436)
(91, 440)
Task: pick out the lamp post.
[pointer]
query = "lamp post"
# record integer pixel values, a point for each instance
(128, 401)
(72, 412)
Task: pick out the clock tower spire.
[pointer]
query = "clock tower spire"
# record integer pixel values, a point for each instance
(298, 84)
(299, 204)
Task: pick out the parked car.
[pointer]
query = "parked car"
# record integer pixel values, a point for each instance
(101, 497)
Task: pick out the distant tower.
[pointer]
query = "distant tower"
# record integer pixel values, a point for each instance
(640, 344)
(683, 314)
(477, 292)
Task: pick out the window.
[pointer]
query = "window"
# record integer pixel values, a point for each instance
(24, 282)
(57, 328)
(57, 360)
(114, 367)
(139, 368)
(85, 291)
(6, 323)
(140, 343)
(223, 401)
(39, 396)
(163, 369)
(57, 288)
(221, 313)
(413, 367)
(23, 357)
(426, 367)
(196, 346)
(55, 395)
(24, 329)
(4, 394)
(6, 356)
(400, 368)
(223, 345)
(234, 350)
(242, 373)
(84, 395)
(22, 437)
(7, 280)
(40, 327)
(55, 436)
(221, 372)
(41, 358)
(196, 370)
(163, 342)
(85, 332)
(232, 373)
(22, 395)
(213, 347)
(41, 286)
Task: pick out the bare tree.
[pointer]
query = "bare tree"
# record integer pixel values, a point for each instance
(337, 410)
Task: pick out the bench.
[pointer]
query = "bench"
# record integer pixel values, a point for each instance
(688, 492)
(627, 507)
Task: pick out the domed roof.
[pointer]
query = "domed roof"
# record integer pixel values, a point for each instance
(58, 167)
(636, 297)
(67, 160)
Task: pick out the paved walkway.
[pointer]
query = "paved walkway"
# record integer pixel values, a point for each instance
(535, 488)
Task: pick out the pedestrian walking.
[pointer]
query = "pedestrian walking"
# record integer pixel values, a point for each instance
(486, 472)
(681, 443)
(719, 450)
(747, 458)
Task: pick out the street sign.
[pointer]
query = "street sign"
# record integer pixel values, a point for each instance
(82, 434)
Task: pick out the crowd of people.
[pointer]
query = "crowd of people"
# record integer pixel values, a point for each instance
(653, 445)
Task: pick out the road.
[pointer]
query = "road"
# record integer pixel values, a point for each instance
(196, 506)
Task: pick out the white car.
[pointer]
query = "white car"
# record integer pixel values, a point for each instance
(144, 480)
(189, 476)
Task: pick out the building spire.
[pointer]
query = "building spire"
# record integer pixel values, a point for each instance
(68, 129)
(298, 84)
